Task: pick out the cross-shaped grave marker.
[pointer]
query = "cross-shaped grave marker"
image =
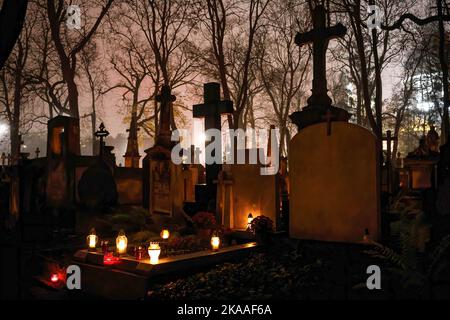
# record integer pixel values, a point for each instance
(320, 35)
(165, 98)
(211, 110)
(102, 133)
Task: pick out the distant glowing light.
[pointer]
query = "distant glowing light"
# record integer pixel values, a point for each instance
(165, 234)
(3, 129)
(425, 106)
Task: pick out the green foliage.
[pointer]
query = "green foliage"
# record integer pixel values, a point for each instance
(385, 253)
(439, 254)
(129, 218)
(144, 236)
(191, 243)
(413, 279)
(260, 276)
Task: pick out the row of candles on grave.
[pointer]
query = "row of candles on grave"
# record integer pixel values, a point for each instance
(154, 249)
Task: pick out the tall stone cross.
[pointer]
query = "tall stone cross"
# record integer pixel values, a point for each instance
(211, 110)
(37, 151)
(320, 35)
(165, 98)
(3, 158)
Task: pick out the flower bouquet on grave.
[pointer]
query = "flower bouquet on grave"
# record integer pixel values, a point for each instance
(262, 227)
(204, 222)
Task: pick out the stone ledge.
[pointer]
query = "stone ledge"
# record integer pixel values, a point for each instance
(129, 278)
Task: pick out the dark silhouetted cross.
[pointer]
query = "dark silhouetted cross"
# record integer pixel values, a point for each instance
(320, 35)
(211, 110)
(102, 133)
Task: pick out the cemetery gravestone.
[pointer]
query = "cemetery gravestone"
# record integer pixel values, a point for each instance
(163, 180)
(241, 189)
(62, 148)
(211, 110)
(334, 165)
(334, 192)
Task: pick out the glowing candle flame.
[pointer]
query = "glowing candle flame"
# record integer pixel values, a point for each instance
(215, 243)
(165, 234)
(154, 250)
(121, 243)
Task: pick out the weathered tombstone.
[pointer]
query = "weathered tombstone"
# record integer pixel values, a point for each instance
(334, 167)
(334, 192)
(163, 180)
(62, 148)
(421, 166)
(211, 110)
(97, 188)
(236, 200)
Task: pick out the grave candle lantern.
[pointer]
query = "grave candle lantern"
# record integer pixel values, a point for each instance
(104, 245)
(121, 242)
(165, 234)
(54, 278)
(92, 239)
(154, 250)
(249, 220)
(139, 252)
(215, 242)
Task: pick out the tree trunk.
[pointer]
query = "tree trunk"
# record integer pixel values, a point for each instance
(444, 68)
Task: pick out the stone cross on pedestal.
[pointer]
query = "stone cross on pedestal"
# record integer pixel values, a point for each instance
(211, 110)
(102, 133)
(319, 108)
(3, 158)
(165, 98)
(37, 151)
(320, 35)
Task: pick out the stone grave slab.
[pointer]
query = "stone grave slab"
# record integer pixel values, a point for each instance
(130, 278)
(334, 183)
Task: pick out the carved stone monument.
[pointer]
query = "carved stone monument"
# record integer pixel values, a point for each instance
(334, 165)
(319, 107)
